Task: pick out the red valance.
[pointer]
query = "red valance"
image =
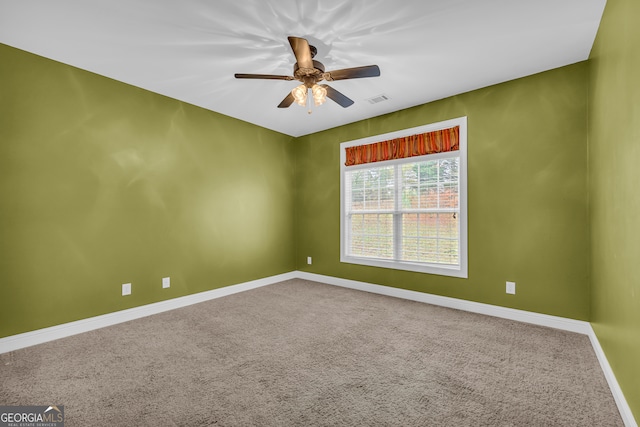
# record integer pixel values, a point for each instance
(439, 141)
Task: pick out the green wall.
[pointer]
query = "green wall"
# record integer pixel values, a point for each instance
(527, 202)
(102, 183)
(614, 177)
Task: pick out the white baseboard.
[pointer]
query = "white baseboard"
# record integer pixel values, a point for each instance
(16, 342)
(623, 406)
(563, 323)
(27, 339)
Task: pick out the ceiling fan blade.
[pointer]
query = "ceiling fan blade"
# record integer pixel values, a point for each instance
(353, 73)
(262, 76)
(338, 97)
(287, 101)
(302, 51)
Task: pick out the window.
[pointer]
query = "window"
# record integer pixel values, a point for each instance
(403, 200)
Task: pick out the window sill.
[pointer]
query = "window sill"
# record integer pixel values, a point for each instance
(441, 270)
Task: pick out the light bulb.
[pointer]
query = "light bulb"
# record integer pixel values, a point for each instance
(300, 95)
(319, 94)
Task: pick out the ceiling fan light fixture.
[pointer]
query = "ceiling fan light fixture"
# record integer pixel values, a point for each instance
(300, 95)
(319, 94)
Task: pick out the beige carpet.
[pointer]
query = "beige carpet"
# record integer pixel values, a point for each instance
(302, 353)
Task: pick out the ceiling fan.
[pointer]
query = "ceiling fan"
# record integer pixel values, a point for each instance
(310, 73)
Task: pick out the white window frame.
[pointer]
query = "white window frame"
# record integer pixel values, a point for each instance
(455, 271)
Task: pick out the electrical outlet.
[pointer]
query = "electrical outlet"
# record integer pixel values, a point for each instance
(166, 282)
(511, 288)
(126, 289)
(309, 260)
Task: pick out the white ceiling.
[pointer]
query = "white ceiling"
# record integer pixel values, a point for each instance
(190, 49)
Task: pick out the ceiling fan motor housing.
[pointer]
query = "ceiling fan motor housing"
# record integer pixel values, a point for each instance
(309, 76)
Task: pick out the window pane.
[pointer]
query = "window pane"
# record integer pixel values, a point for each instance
(422, 183)
(429, 250)
(372, 235)
(448, 225)
(356, 179)
(428, 172)
(410, 225)
(370, 189)
(428, 225)
(429, 195)
(428, 184)
(385, 224)
(387, 188)
(449, 195)
(448, 183)
(448, 169)
(357, 200)
(357, 225)
(430, 237)
(410, 185)
(410, 249)
(357, 245)
(410, 174)
(410, 197)
(448, 251)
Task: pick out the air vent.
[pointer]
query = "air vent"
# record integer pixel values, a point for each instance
(377, 99)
